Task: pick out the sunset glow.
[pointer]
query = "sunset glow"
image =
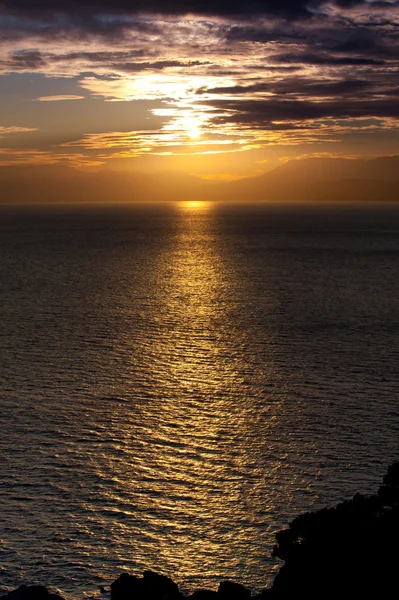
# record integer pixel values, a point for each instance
(138, 89)
(199, 254)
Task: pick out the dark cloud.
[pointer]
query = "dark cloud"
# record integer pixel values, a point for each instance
(325, 59)
(343, 88)
(330, 38)
(123, 60)
(33, 60)
(385, 49)
(135, 67)
(262, 113)
(47, 19)
(353, 3)
(356, 43)
(50, 25)
(26, 60)
(286, 8)
(282, 8)
(276, 31)
(100, 57)
(301, 87)
(347, 3)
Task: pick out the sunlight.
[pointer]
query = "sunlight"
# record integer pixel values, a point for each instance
(194, 204)
(192, 127)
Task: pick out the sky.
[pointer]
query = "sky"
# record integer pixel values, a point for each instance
(214, 88)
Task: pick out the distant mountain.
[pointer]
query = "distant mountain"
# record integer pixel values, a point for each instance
(65, 184)
(317, 180)
(321, 180)
(333, 169)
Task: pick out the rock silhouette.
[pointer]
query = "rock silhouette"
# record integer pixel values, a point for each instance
(151, 586)
(229, 590)
(31, 592)
(349, 550)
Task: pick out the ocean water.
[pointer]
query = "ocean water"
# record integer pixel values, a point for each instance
(179, 381)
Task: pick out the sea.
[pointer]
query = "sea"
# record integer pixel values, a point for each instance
(178, 381)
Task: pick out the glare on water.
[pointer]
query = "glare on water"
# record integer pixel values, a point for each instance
(179, 381)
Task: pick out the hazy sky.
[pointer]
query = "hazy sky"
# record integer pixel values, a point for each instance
(219, 88)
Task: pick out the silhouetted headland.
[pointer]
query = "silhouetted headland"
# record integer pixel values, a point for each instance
(350, 550)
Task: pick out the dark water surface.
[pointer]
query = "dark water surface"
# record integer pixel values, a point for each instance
(179, 381)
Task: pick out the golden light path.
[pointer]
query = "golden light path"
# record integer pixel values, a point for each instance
(192, 480)
(198, 447)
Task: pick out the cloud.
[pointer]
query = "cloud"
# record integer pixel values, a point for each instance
(4, 131)
(285, 8)
(12, 157)
(171, 87)
(115, 21)
(58, 98)
(26, 60)
(300, 87)
(247, 74)
(289, 8)
(262, 113)
(325, 59)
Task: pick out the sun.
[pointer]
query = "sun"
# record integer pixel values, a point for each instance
(193, 205)
(194, 133)
(192, 127)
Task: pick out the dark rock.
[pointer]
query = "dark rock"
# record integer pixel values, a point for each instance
(157, 586)
(204, 595)
(228, 590)
(31, 592)
(348, 551)
(126, 587)
(15, 594)
(152, 586)
(264, 595)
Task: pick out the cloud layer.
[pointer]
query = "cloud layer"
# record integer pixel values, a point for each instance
(199, 77)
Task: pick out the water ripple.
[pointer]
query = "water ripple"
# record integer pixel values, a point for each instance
(177, 384)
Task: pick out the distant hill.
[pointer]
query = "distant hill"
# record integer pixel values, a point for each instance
(316, 180)
(65, 184)
(322, 180)
(333, 169)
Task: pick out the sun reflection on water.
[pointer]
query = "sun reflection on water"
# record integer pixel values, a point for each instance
(187, 205)
(199, 465)
(188, 464)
